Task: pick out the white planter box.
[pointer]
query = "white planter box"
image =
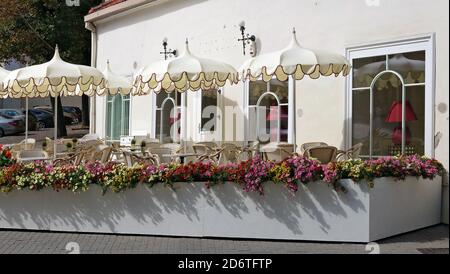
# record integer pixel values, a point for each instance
(445, 206)
(315, 213)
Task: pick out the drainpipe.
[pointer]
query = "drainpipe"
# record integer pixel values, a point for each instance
(91, 27)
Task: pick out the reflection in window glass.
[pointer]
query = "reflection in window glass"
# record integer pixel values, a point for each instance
(209, 110)
(411, 66)
(117, 117)
(415, 96)
(365, 70)
(384, 97)
(268, 111)
(268, 118)
(387, 104)
(168, 118)
(361, 119)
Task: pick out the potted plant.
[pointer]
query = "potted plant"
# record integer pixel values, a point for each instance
(75, 142)
(133, 143)
(44, 145)
(69, 146)
(143, 146)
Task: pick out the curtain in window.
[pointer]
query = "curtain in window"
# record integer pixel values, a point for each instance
(117, 117)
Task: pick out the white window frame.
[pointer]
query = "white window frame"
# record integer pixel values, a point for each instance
(124, 101)
(290, 105)
(180, 109)
(417, 43)
(208, 135)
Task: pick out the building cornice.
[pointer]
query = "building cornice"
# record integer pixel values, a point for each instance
(120, 9)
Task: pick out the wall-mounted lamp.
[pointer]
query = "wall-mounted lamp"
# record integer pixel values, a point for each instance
(168, 52)
(247, 39)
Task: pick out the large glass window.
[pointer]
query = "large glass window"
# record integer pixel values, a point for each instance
(268, 108)
(209, 110)
(393, 87)
(117, 117)
(168, 117)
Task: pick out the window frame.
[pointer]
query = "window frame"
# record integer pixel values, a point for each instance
(110, 100)
(218, 92)
(180, 109)
(290, 105)
(417, 43)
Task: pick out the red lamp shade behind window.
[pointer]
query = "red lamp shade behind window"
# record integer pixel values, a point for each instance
(395, 116)
(273, 117)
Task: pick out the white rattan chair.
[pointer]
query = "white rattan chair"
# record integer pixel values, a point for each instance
(306, 146)
(161, 154)
(277, 151)
(324, 154)
(352, 153)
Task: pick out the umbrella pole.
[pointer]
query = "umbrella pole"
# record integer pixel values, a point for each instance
(293, 112)
(56, 127)
(26, 121)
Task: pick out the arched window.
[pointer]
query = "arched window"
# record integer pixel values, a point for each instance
(168, 117)
(268, 108)
(389, 102)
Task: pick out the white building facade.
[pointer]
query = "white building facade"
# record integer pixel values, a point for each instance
(398, 50)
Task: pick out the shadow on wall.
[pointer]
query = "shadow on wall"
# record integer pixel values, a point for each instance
(160, 209)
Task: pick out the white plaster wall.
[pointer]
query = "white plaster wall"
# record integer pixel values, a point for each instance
(133, 40)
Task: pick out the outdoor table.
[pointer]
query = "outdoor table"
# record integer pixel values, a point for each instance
(65, 154)
(132, 150)
(182, 156)
(33, 159)
(258, 151)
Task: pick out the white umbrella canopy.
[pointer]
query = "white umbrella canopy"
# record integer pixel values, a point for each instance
(115, 84)
(54, 78)
(3, 74)
(186, 72)
(294, 61)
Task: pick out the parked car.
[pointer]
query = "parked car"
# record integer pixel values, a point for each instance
(10, 125)
(20, 114)
(69, 118)
(44, 118)
(74, 110)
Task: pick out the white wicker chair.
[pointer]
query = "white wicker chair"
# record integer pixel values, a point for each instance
(23, 145)
(352, 153)
(324, 154)
(277, 151)
(306, 146)
(160, 153)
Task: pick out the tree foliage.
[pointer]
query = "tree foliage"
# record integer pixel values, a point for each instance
(30, 29)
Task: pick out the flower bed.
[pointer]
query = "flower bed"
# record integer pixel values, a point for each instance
(5, 157)
(251, 175)
(291, 200)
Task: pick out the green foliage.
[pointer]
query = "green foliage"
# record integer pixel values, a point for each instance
(251, 174)
(30, 29)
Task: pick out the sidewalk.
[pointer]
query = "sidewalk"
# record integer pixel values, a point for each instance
(430, 240)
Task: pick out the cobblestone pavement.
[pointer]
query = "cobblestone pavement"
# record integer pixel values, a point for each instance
(430, 240)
